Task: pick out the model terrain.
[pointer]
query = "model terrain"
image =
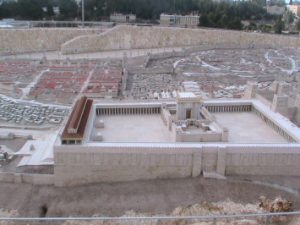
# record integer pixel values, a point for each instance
(87, 111)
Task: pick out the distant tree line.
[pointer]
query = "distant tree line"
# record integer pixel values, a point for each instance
(230, 14)
(213, 14)
(39, 9)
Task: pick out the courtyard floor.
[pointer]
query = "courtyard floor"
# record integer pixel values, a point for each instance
(135, 128)
(247, 127)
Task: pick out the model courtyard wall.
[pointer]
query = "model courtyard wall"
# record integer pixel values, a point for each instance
(76, 165)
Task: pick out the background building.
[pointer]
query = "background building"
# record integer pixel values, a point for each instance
(179, 20)
(122, 18)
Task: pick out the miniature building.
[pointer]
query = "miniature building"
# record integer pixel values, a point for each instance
(194, 123)
(75, 127)
(188, 106)
(104, 84)
(277, 97)
(122, 18)
(179, 20)
(280, 104)
(98, 136)
(99, 124)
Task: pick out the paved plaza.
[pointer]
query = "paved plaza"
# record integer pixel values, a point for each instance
(135, 128)
(247, 127)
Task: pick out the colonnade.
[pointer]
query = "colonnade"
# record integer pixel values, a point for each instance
(274, 126)
(71, 142)
(127, 110)
(229, 108)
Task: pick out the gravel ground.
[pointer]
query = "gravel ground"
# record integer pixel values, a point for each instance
(155, 197)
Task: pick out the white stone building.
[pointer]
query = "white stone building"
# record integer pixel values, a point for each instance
(122, 18)
(179, 20)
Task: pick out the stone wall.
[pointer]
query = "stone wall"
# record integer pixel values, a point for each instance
(268, 160)
(135, 37)
(38, 39)
(26, 178)
(76, 40)
(76, 165)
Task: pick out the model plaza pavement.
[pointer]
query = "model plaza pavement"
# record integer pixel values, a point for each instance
(135, 128)
(131, 123)
(245, 127)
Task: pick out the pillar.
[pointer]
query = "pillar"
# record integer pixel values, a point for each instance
(197, 164)
(221, 161)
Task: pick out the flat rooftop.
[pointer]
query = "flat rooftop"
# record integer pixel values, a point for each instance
(247, 127)
(135, 128)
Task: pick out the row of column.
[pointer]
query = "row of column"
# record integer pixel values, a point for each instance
(71, 142)
(274, 126)
(229, 108)
(124, 111)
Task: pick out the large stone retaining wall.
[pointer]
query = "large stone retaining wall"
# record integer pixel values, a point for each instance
(136, 37)
(38, 39)
(90, 164)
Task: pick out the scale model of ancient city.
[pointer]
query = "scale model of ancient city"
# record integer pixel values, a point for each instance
(82, 106)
